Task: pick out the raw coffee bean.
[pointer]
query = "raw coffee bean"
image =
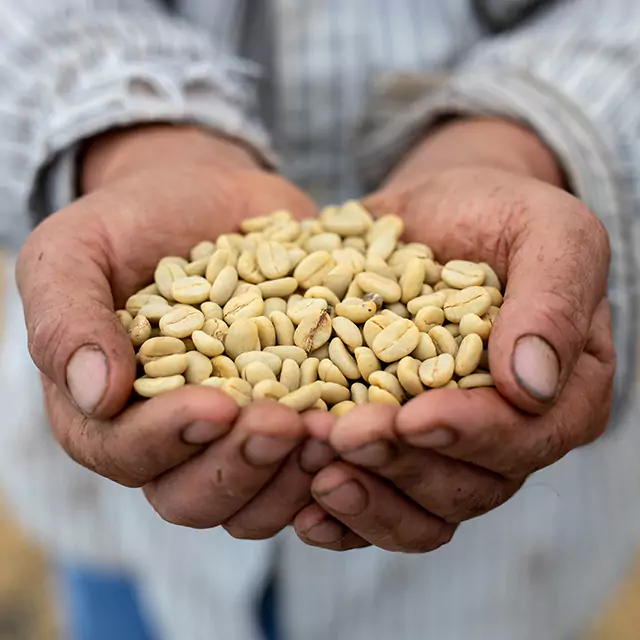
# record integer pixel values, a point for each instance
(377, 394)
(242, 337)
(469, 355)
(269, 390)
(309, 371)
(151, 387)
(167, 366)
(207, 345)
(460, 274)
(181, 322)
(334, 311)
(343, 407)
(165, 275)
(224, 367)
(436, 372)
(359, 393)
(139, 331)
(470, 300)
(191, 290)
(290, 374)
(328, 372)
(367, 362)
(313, 331)
(333, 393)
(387, 288)
(256, 372)
(303, 398)
(396, 341)
(476, 380)
(199, 367)
(444, 341)
(224, 286)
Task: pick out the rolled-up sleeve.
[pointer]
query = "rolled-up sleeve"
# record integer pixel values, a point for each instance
(72, 68)
(572, 75)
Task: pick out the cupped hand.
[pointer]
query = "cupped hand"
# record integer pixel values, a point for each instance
(200, 459)
(408, 476)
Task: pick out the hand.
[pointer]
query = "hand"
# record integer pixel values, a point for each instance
(408, 476)
(155, 192)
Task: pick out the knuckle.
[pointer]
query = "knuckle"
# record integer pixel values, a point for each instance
(175, 511)
(242, 531)
(472, 504)
(87, 447)
(553, 446)
(562, 309)
(593, 232)
(423, 541)
(477, 502)
(45, 339)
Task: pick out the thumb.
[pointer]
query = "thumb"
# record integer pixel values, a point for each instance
(74, 336)
(557, 273)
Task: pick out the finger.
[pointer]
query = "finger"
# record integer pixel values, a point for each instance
(147, 439)
(315, 527)
(213, 487)
(558, 266)
(74, 337)
(275, 507)
(277, 504)
(376, 512)
(511, 443)
(452, 490)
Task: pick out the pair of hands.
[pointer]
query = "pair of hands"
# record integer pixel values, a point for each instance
(398, 478)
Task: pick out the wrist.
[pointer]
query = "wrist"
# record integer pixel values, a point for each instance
(116, 154)
(479, 142)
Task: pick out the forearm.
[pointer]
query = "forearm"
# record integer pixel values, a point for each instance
(117, 153)
(486, 142)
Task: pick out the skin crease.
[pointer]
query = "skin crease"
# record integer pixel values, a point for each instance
(453, 193)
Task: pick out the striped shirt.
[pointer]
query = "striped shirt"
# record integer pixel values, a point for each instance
(335, 92)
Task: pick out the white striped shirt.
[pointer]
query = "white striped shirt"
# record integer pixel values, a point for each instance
(345, 88)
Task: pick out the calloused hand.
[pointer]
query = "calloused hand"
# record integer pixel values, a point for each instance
(408, 476)
(200, 459)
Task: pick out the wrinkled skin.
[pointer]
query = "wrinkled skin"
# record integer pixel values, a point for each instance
(408, 476)
(81, 264)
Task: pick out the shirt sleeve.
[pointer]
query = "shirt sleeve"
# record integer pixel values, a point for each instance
(70, 69)
(570, 74)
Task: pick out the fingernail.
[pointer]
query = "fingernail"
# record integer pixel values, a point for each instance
(327, 531)
(536, 367)
(372, 454)
(349, 498)
(202, 432)
(435, 439)
(316, 455)
(264, 450)
(87, 374)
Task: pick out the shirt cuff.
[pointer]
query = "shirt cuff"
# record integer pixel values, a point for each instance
(595, 165)
(140, 98)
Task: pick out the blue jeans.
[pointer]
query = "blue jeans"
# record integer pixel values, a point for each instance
(100, 605)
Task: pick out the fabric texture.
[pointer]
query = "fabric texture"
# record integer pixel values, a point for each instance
(346, 88)
(99, 604)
